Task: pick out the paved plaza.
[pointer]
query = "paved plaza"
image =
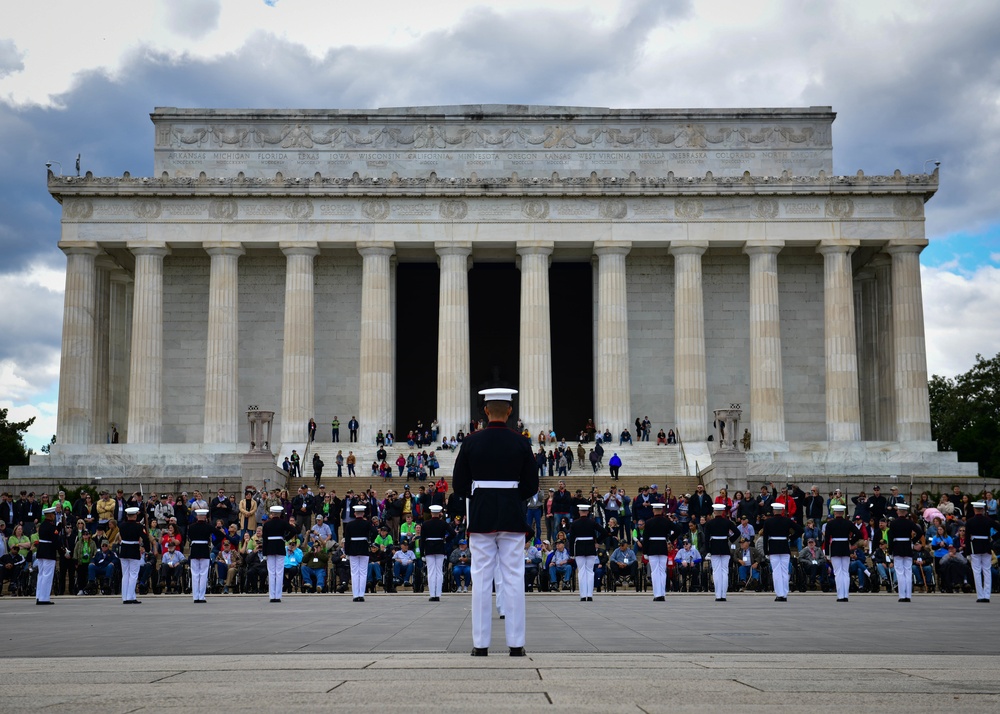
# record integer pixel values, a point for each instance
(621, 652)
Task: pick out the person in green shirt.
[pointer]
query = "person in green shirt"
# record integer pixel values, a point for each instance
(384, 539)
(408, 529)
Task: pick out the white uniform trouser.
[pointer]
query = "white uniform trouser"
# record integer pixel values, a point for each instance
(720, 574)
(904, 576)
(199, 578)
(435, 574)
(359, 574)
(658, 574)
(130, 577)
(275, 575)
(982, 575)
(779, 573)
(492, 552)
(498, 586)
(841, 576)
(43, 589)
(585, 574)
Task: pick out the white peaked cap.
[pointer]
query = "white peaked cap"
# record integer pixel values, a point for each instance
(656, 505)
(436, 509)
(838, 508)
(201, 511)
(902, 506)
(358, 509)
(718, 506)
(276, 509)
(131, 511)
(497, 395)
(778, 506)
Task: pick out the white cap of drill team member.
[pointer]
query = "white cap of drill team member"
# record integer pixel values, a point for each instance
(359, 509)
(718, 507)
(584, 507)
(436, 509)
(979, 505)
(276, 509)
(497, 394)
(902, 506)
(778, 506)
(46, 511)
(201, 511)
(838, 508)
(131, 511)
(657, 506)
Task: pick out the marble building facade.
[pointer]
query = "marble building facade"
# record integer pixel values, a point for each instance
(729, 265)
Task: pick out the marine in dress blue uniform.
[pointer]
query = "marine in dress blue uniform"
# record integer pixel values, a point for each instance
(902, 533)
(357, 538)
(583, 536)
(46, 555)
(433, 547)
(200, 534)
(978, 546)
(720, 531)
(276, 531)
(840, 538)
(776, 531)
(133, 534)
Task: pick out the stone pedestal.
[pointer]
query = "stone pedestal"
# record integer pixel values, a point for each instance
(74, 420)
(377, 396)
(145, 404)
(727, 428)
(767, 394)
(613, 394)
(843, 409)
(298, 362)
(535, 387)
(690, 379)
(913, 422)
(453, 374)
(222, 353)
(257, 465)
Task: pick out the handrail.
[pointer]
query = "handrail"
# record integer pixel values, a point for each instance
(680, 443)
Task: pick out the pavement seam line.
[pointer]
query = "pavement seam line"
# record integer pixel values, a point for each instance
(183, 671)
(335, 686)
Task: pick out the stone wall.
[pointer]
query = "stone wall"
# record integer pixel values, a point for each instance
(651, 335)
(185, 330)
(726, 289)
(338, 340)
(262, 305)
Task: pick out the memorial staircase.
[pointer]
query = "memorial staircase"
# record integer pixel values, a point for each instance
(643, 463)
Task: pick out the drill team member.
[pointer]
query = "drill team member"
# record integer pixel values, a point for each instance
(583, 536)
(133, 534)
(720, 531)
(840, 537)
(48, 543)
(497, 471)
(200, 532)
(902, 533)
(654, 546)
(433, 537)
(776, 531)
(357, 536)
(977, 547)
(276, 531)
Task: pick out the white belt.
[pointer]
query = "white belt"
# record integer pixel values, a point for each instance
(275, 538)
(657, 538)
(43, 541)
(973, 538)
(720, 537)
(779, 538)
(195, 542)
(840, 540)
(364, 539)
(901, 540)
(433, 538)
(494, 484)
(130, 542)
(587, 538)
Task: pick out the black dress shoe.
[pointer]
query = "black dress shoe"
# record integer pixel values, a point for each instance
(659, 599)
(503, 617)
(590, 599)
(433, 599)
(43, 602)
(201, 601)
(583, 599)
(517, 652)
(720, 599)
(274, 599)
(781, 599)
(361, 599)
(480, 651)
(982, 599)
(841, 599)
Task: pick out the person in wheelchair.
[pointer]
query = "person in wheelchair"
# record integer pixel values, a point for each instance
(749, 565)
(314, 565)
(147, 563)
(374, 567)
(623, 565)
(172, 569)
(11, 568)
(883, 566)
(688, 561)
(340, 569)
(256, 575)
(101, 571)
(532, 559)
(293, 559)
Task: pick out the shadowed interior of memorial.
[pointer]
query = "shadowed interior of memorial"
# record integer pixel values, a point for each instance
(494, 329)
(571, 304)
(417, 313)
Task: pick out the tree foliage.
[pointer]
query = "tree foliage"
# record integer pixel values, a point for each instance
(965, 414)
(12, 449)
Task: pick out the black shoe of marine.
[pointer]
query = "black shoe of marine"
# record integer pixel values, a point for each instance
(517, 652)
(480, 651)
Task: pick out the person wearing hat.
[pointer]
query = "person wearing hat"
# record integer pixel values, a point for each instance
(720, 531)
(840, 539)
(655, 535)
(201, 533)
(357, 536)
(276, 531)
(977, 548)
(776, 531)
(902, 533)
(133, 534)
(46, 555)
(496, 470)
(584, 533)
(433, 538)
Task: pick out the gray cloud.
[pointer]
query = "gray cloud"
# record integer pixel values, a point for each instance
(192, 18)
(11, 59)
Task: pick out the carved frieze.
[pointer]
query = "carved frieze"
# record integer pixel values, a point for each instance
(223, 209)
(299, 209)
(78, 209)
(376, 209)
(766, 208)
(146, 208)
(689, 208)
(613, 209)
(907, 206)
(535, 209)
(452, 210)
(839, 207)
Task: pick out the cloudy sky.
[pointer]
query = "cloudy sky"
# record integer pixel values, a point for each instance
(911, 80)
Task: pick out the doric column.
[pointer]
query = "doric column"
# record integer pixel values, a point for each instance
(614, 394)
(843, 410)
(118, 337)
(377, 398)
(884, 353)
(145, 402)
(453, 375)
(298, 382)
(913, 421)
(535, 373)
(690, 379)
(76, 370)
(222, 350)
(102, 350)
(767, 394)
(866, 332)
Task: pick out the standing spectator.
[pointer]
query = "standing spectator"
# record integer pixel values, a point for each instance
(352, 426)
(296, 464)
(614, 465)
(351, 461)
(335, 431)
(312, 429)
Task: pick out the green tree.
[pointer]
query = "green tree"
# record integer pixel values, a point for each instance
(12, 449)
(965, 414)
(48, 447)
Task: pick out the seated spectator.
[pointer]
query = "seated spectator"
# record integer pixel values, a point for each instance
(226, 564)
(293, 559)
(923, 567)
(314, 566)
(883, 566)
(661, 437)
(858, 567)
(256, 563)
(340, 569)
(813, 561)
(749, 561)
(559, 567)
(626, 435)
(146, 567)
(532, 559)
(688, 562)
(461, 572)
(671, 437)
(624, 563)
(403, 562)
(321, 530)
(11, 566)
(954, 570)
(374, 567)
(171, 569)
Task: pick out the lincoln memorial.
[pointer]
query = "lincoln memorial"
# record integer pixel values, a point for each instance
(386, 264)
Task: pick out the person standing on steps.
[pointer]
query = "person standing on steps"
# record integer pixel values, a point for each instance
(614, 464)
(352, 427)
